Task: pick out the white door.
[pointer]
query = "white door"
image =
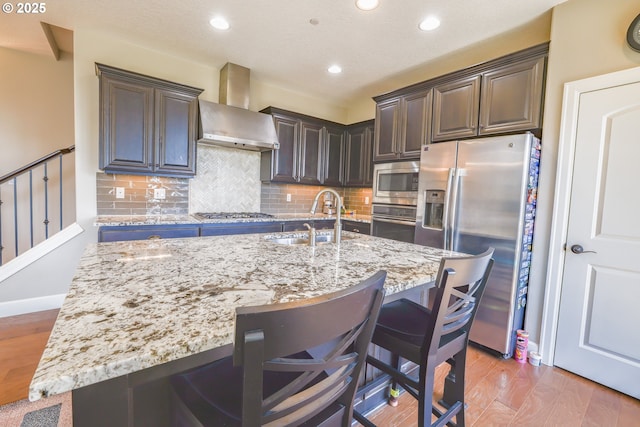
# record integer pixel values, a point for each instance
(598, 334)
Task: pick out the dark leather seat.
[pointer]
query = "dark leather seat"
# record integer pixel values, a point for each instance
(294, 364)
(428, 337)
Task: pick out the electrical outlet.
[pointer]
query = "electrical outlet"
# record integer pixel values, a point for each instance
(119, 192)
(288, 197)
(159, 193)
(366, 200)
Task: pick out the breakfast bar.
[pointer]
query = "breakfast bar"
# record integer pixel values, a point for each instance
(139, 311)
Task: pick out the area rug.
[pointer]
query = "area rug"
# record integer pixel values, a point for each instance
(53, 411)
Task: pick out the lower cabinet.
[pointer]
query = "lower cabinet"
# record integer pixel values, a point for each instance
(240, 228)
(113, 233)
(356, 226)
(143, 232)
(300, 225)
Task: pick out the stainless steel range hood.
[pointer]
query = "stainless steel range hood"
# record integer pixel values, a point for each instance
(230, 123)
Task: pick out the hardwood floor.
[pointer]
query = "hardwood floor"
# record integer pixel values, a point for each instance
(22, 341)
(506, 393)
(499, 392)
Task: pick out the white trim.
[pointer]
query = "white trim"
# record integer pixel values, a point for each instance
(560, 216)
(31, 305)
(32, 255)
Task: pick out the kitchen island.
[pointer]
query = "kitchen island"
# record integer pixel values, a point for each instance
(138, 311)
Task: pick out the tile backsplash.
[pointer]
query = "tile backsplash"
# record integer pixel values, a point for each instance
(139, 195)
(274, 198)
(227, 180)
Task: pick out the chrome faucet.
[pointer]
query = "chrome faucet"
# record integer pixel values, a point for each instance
(337, 228)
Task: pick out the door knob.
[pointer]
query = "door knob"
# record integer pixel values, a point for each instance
(577, 249)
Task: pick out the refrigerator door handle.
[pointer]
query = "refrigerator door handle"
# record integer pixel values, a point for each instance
(451, 220)
(447, 209)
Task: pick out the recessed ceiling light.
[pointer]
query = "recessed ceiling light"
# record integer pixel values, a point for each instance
(429, 23)
(219, 23)
(366, 4)
(335, 69)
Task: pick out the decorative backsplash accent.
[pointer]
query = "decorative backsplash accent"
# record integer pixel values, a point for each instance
(139, 195)
(227, 180)
(274, 198)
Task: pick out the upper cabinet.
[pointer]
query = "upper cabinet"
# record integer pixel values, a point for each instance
(148, 126)
(334, 155)
(358, 155)
(318, 152)
(455, 109)
(401, 126)
(512, 97)
(307, 145)
(499, 96)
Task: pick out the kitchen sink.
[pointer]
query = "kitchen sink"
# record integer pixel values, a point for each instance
(298, 240)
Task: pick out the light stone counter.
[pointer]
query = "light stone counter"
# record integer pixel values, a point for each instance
(137, 304)
(126, 220)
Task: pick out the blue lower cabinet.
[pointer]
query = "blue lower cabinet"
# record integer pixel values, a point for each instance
(143, 232)
(240, 228)
(299, 225)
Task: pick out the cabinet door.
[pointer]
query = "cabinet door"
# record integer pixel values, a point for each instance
(123, 233)
(310, 163)
(455, 109)
(176, 115)
(415, 121)
(126, 126)
(284, 161)
(386, 130)
(333, 149)
(355, 167)
(367, 156)
(512, 97)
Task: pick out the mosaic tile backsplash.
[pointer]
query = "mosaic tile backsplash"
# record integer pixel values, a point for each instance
(227, 180)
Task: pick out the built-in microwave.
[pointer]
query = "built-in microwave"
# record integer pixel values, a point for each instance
(396, 183)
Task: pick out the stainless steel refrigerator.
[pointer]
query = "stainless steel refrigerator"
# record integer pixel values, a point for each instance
(481, 193)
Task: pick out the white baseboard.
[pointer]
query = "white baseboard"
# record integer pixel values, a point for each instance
(31, 305)
(38, 251)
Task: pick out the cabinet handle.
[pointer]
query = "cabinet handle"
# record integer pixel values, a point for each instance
(356, 230)
(154, 237)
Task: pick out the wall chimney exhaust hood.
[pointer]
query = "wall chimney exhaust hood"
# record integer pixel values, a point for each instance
(230, 123)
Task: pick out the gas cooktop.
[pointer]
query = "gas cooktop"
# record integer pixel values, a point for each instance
(232, 215)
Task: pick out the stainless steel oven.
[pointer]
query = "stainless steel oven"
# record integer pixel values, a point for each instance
(396, 183)
(395, 222)
(395, 196)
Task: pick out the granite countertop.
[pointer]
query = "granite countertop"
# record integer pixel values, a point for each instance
(136, 304)
(124, 220)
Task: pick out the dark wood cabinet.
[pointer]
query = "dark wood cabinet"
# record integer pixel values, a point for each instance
(358, 155)
(148, 126)
(512, 97)
(356, 226)
(401, 128)
(144, 232)
(499, 96)
(455, 109)
(312, 151)
(300, 158)
(318, 224)
(386, 130)
(334, 156)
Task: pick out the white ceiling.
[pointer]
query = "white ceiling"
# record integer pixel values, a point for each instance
(275, 39)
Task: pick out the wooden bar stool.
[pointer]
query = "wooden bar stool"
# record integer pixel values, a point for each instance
(429, 337)
(293, 364)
